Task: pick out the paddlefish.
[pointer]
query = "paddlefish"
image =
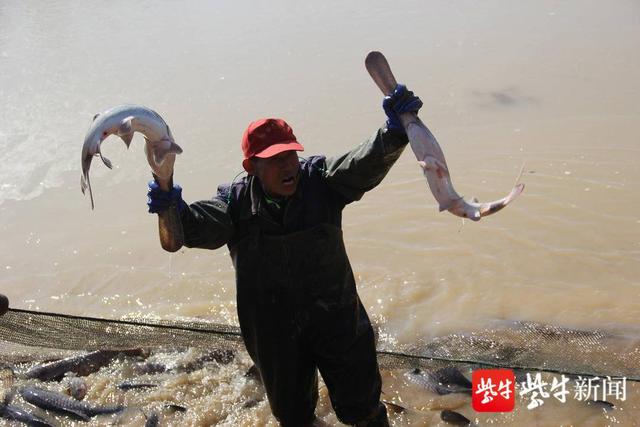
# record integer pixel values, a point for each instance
(123, 121)
(430, 156)
(65, 405)
(82, 365)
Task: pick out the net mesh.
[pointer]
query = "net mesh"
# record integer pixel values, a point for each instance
(28, 335)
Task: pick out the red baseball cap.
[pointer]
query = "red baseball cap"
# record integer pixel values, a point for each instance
(267, 137)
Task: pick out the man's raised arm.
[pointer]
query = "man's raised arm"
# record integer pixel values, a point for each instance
(364, 167)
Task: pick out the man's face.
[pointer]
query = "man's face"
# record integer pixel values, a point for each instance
(278, 174)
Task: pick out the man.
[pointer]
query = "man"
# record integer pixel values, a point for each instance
(298, 307)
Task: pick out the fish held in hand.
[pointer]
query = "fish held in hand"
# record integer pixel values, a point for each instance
(124, 121)
(430, 156)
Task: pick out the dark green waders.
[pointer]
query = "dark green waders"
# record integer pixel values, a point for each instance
(299, 312)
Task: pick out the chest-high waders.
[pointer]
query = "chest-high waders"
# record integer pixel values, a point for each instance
(298, 311)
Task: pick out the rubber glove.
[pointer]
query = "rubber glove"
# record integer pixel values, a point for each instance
(400, 101)
(159, 200)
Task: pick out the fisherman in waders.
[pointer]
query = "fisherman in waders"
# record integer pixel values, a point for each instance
(298, 307)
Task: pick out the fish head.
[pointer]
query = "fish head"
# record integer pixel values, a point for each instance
(473, 211)
(103, 125)
(466, 209)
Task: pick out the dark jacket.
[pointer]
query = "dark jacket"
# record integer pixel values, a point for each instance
(326, 185)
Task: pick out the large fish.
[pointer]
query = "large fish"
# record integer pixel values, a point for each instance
(82, 365)
(123, 121)
(430, 156)
(65, 405)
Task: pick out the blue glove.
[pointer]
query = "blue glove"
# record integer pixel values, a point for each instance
(400, 101)
(159, 200)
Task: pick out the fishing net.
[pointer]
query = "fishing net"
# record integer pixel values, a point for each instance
(28, 335)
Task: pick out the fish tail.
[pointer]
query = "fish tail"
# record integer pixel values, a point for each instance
(519, 174)
(159, 153)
